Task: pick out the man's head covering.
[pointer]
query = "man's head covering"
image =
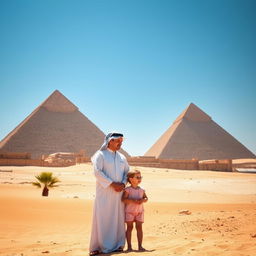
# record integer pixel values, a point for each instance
(109, 137)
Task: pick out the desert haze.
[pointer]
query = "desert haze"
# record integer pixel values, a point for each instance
(188, 213)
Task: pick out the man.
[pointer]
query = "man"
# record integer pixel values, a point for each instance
(110, 169)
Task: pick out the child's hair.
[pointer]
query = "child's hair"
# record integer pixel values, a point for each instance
(131, 174)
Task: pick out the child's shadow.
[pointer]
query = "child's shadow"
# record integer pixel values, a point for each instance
(140, 251)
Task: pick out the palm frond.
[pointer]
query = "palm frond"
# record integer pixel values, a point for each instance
(37, 184)
(53, 186)
(47, 179)
(53, 181)
(44, 177)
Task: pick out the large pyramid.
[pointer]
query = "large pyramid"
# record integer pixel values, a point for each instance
(55, 126)
(195, 135)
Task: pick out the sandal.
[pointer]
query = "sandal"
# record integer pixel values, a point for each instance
(120, 249)
(94, 253)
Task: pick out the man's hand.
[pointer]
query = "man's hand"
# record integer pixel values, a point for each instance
(140, 201)
(117, 186)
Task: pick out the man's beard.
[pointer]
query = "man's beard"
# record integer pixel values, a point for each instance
(118, 146)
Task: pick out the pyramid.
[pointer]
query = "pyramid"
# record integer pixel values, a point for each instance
(55, 126)
(195, 135)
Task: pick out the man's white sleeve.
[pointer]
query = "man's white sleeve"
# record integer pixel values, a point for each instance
(126, 170)
(98, 171)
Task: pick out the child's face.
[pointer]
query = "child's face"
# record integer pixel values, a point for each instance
(136, 179)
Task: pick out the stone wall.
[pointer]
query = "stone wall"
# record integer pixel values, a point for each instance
(32, 162)
(23, 159)
(194, 164)
(163, 163)
(179, 164)
(83, 159)
(216, 165)
(249, 165)
(21, 162)
(143, 161)
(15, 155)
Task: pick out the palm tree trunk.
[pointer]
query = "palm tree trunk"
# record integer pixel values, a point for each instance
(45, 191)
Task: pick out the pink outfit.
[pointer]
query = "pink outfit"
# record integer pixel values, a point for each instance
(133, 211)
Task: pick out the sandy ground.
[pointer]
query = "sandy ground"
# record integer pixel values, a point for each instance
(222, 220)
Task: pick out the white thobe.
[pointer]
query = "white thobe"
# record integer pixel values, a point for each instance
(108, 225)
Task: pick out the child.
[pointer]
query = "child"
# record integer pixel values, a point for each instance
(134, 197)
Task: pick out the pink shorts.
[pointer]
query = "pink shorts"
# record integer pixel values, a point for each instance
(130, 216)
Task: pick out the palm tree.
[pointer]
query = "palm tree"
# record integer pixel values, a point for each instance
(46, 180)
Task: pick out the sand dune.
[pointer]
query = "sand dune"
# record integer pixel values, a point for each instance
(222, 219)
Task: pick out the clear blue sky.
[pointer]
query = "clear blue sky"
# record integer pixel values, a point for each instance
(131, 66)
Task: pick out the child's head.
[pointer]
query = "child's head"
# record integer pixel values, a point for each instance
(134, 177)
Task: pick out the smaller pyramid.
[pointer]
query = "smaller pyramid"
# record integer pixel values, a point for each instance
(56, 125)
(195, 135)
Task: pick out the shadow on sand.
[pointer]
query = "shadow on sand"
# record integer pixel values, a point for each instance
(125, 252)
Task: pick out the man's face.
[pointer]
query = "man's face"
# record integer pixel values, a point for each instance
(115, 144)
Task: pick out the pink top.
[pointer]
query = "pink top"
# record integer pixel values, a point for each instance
(134, 193)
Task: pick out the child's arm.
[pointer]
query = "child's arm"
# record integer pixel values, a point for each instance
(144, 198)
(125, 198)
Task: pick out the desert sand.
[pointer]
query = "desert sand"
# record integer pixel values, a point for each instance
(222, 220)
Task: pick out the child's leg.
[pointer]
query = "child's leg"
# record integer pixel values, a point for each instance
(139, 235)
(129, 234)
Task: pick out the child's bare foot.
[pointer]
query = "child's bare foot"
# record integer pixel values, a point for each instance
(129, 249)
(141, 249)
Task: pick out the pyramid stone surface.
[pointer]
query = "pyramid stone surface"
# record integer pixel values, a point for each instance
(195, 135)
(55, 126)
(57, 102)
